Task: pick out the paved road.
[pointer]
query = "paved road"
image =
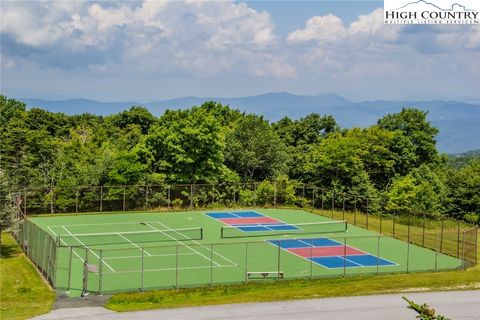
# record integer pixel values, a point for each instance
(457, 305)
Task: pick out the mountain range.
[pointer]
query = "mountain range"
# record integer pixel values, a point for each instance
(459, 122)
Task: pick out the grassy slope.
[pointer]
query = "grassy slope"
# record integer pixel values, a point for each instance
(23, 292)
(301, 289)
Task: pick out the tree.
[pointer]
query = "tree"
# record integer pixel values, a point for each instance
(188, 146)
(254, 150)
(136, 115)
(414, 125)
(420, 192)
(464, 192)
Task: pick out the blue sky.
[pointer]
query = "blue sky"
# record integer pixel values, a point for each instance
(150, 50)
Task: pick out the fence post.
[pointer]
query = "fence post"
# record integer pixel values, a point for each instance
(333, 202)
(378, 255)
(101, 199)
(124, 204)
(311, 261)
(169, 199)
(278, 261)
(355, 210)
(408, 248)
(345, 257)
(275, 193)
(246, 262)
(436, 252)
(25, 201)
(463, 253)
(323, 198)
(142, 284)
(51, 201)
(100, 272)
(146, 197)
(423, 230)
(366, 219)
(176, 267)
(69, 269)
(191, 195)
(85, 272)
(458, 239)
(211, 264)
(76, 200)
(393, 222)
(343, 207)
(441, 237)
(254, 194)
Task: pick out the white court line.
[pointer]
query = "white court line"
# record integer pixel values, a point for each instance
(151, 256)
(56, 236)
(88, 248)
(183, 244)
(206, 247)
(133, 243)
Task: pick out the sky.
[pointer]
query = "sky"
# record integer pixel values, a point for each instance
(152, 50)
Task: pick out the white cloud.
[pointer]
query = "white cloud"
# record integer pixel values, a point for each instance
(151, 36)
(321, 29)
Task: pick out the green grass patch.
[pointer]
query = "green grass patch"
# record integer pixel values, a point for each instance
(23, 292)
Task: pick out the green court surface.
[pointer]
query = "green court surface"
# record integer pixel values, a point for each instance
(108, 253)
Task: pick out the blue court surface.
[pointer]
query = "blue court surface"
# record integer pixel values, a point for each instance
(330, 253)
(251, 221)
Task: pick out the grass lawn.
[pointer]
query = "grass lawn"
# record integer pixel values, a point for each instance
(23, 292)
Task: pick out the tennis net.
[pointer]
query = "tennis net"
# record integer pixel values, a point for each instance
(260, 230)
(129, 237)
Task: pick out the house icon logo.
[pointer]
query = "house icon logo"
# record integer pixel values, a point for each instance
(432, 11)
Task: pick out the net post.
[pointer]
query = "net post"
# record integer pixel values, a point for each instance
(176, 267)
(246, 262)
(211, 264)
(101, 198)
(69, 269)
(201, 233)
(100, 272)
(142, 275)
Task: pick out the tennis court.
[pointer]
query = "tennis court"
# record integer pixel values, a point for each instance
(104, 253)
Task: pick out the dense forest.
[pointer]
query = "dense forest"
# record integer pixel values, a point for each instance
(395, 160)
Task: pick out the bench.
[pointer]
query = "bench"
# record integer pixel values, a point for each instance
(264, 274)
